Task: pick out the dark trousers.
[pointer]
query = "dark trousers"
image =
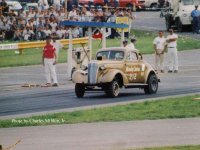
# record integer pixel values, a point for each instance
(196, 24)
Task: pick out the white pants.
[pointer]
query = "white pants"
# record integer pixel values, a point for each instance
(50, 70)
(159, 62)
(173, 59)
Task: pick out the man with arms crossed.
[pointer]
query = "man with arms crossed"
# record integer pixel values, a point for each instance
(172, 51)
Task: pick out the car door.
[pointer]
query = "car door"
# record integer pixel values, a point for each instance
(134, 68)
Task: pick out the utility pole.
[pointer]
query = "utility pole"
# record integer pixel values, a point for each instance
(66, 13)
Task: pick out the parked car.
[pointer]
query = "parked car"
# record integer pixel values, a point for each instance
(122, 3)
(153, 4)
(114, 68)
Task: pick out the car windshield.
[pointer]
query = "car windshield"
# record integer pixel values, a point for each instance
(191, 2)
(111, 55)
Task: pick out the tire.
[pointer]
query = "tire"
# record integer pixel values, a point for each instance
(179, 25)
(112, 89)
(79, 90)
(152, 86)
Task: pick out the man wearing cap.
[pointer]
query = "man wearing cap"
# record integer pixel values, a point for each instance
(172, 51)
(131, 45)
(196, 19)
(159, 44)
(49, 62)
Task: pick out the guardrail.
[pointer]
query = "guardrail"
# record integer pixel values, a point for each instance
(39, 44)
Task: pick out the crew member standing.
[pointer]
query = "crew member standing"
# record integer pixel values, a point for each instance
(159, 47)
(57, 44)
(172, 51)
(49, 62)
(196, 20)
(131, 45)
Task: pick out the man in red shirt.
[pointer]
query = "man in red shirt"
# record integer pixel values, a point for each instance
(49, 62)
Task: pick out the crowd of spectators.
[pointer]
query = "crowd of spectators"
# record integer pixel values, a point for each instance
(37, 23)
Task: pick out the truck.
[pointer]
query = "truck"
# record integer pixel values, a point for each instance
(178, 14)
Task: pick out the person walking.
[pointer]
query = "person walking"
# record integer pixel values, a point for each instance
(196, 20)
(172, 51)
(49, 62)
(159, 44)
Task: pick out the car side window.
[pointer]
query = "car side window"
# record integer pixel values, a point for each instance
(131, 56)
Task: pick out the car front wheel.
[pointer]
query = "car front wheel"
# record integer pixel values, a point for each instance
(79, 90)
(113, 89)
(152, 86)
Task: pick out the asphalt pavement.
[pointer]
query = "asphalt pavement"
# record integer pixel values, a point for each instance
(105, 135)
(151, 21)
(16, 101)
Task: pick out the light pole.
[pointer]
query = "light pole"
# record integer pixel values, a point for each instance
(65, 9)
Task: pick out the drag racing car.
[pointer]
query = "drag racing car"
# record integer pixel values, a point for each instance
(113, 69)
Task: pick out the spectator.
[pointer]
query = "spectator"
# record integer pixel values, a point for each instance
(56, 4)
(17, 35)
(28, 34)
(53, 25)
(40, 34)
(5, 8)
(112, 18)
(2, 35)
(47, 31)
(75, 32)
(116, 3)
(43, 4)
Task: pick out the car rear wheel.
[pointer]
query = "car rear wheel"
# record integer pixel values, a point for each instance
(79, 90)
(152, 86)
(113, 89)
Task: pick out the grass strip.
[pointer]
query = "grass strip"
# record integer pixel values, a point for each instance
(188, 147)
(183, 107)
(144, 44)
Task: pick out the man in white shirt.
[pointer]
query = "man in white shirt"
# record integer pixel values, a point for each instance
(56, 4)
(131, 45)
(159, 44)
(57, 45)
(172, 51)
(53, 25)
(43, 4)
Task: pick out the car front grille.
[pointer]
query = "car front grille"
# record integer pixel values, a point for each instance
(92, 73)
